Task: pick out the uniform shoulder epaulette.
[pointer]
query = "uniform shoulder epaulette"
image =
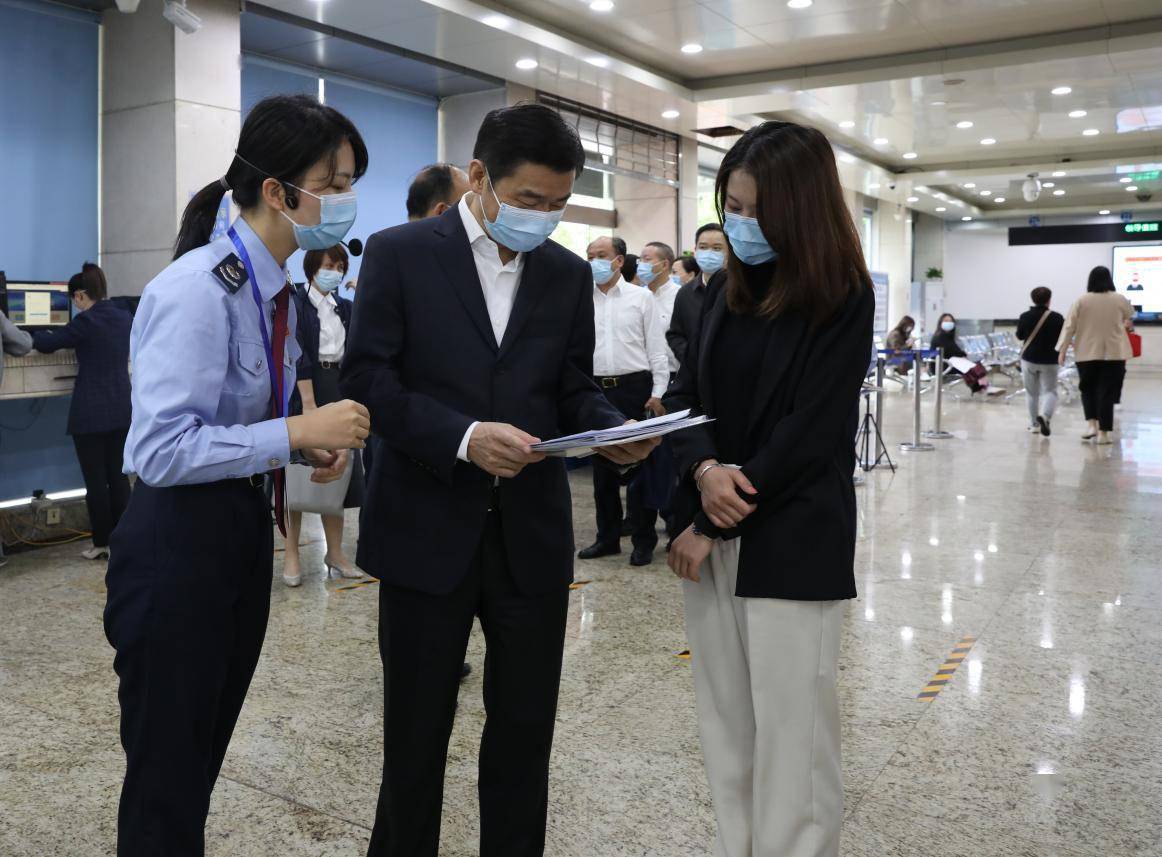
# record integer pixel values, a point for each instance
(231, 273)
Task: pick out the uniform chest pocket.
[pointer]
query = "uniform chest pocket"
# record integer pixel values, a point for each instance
(247, 374)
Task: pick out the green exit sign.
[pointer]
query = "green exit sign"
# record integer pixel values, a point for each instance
(1147, 176)
(1141, 227)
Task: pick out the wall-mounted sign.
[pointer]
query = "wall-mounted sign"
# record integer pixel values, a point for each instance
(1132, 228)
(1089, 233)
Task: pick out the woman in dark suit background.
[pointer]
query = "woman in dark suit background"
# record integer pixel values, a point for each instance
(324, 319)
(768, 509)
(99, 413)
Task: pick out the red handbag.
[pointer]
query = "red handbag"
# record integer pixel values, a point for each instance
(1135, 343)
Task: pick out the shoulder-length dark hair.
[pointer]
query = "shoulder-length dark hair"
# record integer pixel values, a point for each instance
(803, 216)
(1100, 280)
(314, 259)
(282, 138)
(91, 281)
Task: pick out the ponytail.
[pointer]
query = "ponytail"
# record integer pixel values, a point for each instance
(282, 138)
(91, 281)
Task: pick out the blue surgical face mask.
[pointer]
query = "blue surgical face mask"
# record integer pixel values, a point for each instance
(328, 280)
(645, 272)
(710, 260)
(747, 241)
(675, 279)
(948, 326)
(602, 271)
(336, 216)
(520, 229)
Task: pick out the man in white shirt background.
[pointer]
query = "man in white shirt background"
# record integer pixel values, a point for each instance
(631, 364)
(657, 259)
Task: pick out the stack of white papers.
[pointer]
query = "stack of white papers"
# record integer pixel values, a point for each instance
(584, 443)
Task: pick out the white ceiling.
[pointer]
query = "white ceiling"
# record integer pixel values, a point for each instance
(889, 66)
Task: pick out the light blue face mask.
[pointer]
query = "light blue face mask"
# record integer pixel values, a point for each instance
(602, 270)
(645, 272)
(520, 229)
(710, 260)
(328, 280)
(948, 326)
(336, 216)
(675, 279)
(747, 240)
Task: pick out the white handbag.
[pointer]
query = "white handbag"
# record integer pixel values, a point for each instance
(303, 495)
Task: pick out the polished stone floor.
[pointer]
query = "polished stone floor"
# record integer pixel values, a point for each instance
(1046, 742)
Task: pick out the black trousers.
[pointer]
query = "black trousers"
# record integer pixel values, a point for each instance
(106, 487)
(629, 396)
(422, 640)
(1101, 388)
(189, 595)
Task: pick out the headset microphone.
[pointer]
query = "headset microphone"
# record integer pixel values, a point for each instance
(354, 246)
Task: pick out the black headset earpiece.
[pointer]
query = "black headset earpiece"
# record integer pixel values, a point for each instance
(292, 199)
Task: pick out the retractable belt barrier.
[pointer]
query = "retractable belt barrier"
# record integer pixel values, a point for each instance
(917, 443)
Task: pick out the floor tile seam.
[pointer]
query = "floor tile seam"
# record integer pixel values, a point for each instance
(294, 802)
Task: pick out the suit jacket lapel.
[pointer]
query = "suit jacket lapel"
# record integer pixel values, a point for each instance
(711, 321)
(528, 293)
(455, 256)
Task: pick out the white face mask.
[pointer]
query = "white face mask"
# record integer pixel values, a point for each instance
(948, 326)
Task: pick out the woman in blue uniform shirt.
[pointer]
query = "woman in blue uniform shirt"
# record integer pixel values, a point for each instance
(214, 351)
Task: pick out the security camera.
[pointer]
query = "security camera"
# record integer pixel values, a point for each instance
(128, 6)
(1144, 196)
(891, 185)
(1031, 189)
(176, 13)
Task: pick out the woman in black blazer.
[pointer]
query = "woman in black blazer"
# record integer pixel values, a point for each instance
(99, 412)
(323, 321)
(766, 505)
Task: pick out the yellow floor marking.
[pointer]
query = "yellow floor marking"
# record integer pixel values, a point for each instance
(577, 584)
(683, 655)
(947, 669)
(357, 585)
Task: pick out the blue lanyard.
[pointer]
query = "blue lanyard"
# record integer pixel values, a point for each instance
(283, 405)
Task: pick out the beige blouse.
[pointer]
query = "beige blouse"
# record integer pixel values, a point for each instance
(1096, 324)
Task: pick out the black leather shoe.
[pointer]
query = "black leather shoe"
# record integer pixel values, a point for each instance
(626, 527)
(1044, 425)
(641, 556)
(597, 549)
(465, 671)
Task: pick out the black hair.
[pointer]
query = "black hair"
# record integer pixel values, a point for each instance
(282, 138)
(91, 281)
(1100, 280)
(313, 260)
(708, 227)
(618, 245)
(689, 263)
(665, 249)
(432, 185)
(629, 269)
(1041, 296)
(527, 133)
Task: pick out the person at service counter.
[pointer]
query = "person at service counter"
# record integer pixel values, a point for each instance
(99, 411)
(1096, 328)
(1039, 328)
(768, 542)
(214, 352)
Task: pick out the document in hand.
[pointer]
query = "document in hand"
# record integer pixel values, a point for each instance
(586, 442)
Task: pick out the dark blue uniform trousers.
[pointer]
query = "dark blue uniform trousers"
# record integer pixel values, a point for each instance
(189, 596)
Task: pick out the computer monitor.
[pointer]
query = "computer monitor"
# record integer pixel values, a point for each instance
(33, 305)
(1137, 272)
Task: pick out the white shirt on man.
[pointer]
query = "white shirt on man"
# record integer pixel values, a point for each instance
(630, 335)
(332, 335)
(498, 281)
(665, 295)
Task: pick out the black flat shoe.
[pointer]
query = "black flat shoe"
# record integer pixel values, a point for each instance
(641, 556)
(1044, 424)
(597, 549)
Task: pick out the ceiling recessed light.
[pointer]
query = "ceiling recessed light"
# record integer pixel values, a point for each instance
(970, 185)
(999, 200)
(988, 141)
(526, 64)
(1125, 179)
(881, 141)
(941, 208)
(913, 199)
(1131, 187)
(601, 5)
(692, 48)
(1059, 192)
(1104, 212)
(910, 156)
(847, 158)
(922, 188)
(846, 123)
(966, 218)
(1077, 114)
(1049, 184)
(799, 4)
(501, 22)
(670, 114)
(938, 103)
(986, 193)
(874, 186)
(1090, 132)
(1057, 174)
(964, 124)
(1061, 90)
(600, 62)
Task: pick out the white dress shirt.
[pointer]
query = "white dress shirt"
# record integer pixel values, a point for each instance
(630, 336)
(332, 335)
(665, 296)
(498, 281)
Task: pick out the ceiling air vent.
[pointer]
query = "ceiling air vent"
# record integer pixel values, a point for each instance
(720, 131)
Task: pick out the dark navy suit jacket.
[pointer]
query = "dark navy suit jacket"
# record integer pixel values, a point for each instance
(100, 336)
(307, 332)
(423, 358)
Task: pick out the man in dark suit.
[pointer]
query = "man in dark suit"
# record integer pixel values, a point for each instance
(472, 338)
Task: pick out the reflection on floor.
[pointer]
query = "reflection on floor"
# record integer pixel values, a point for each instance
(1044, 742)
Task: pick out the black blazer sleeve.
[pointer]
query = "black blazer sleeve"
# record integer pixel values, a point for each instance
(693, 444)
(677, 337)
(581, 405)
(305, 368)
(803, 442)
(69, 336)
(416, 424)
